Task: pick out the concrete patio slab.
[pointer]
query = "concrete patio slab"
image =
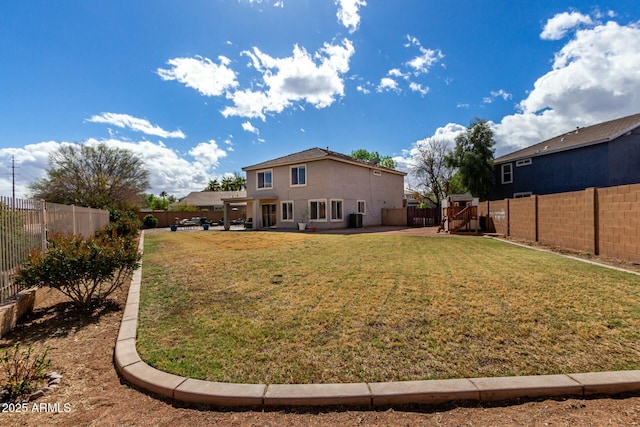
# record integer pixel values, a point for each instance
(608, 382)
(506, 388)
(318, 395)
(220, 394)
(433, 391)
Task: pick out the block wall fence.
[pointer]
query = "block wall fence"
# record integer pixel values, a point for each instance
(600, 221)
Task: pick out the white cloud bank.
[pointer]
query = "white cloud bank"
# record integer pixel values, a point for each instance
(168, 169)
(594, 78)
(135, 124)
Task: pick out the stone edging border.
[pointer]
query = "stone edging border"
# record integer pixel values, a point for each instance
(192, 391)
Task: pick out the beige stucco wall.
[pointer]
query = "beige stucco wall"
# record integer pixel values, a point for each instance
(329, 179)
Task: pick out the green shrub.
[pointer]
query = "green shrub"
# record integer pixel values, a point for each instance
(121, 224)
(85, 270)
(21, 372)
(150, 221)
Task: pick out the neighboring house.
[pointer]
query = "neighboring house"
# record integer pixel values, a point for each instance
(321, 188)
(210, 200)
(602, 155)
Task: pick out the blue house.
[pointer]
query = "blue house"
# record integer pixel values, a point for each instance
(602, 155)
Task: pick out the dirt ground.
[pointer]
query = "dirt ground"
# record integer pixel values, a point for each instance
(92, 394)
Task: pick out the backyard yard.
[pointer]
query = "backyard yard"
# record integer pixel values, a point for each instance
(273, 307)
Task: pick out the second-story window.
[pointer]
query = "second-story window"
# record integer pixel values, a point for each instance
(299, 175)
(265, 179)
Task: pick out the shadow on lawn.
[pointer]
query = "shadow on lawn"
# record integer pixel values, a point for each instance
(57, 321)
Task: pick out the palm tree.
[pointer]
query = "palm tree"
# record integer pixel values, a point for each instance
(227, 184)
(164, 195)
(239, 181)
(213, 185)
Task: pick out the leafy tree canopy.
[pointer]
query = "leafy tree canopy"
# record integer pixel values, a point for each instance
(93, 176)
(370, 156)
(237, 182)
(473, 156)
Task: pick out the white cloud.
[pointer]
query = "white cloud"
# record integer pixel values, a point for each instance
(247, 126)
(349, 13)
(422, 63)
(316, 80)
(201, 74)
(136, 124)
(497, 94)
(387, 84)
(208, 153)
(412, 69)
(416, 87)
(594, 78)
(168, 170)
(558, 26)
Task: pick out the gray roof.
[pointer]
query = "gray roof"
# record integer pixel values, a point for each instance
(211, 198)
(314, 154)
(579, 137)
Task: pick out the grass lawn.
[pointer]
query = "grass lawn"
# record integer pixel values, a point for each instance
(262, 307)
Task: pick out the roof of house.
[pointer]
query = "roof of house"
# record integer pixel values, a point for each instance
(211, 198)
(315, 154)
(579, 137)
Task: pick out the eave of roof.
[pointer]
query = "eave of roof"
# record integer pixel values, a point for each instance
(577, 138)
(315, 154)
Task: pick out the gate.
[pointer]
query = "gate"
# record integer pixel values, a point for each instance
(423, 217)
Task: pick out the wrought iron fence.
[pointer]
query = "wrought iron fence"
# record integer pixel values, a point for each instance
(24, 224)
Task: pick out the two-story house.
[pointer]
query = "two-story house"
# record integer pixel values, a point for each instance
(322, 188)
(603, 155)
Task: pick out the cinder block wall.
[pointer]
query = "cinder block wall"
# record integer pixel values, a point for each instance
(600, 221)
(499, 214)
(618, 226)
(522, 217)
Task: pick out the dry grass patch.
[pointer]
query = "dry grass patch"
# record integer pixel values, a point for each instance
(263, 307)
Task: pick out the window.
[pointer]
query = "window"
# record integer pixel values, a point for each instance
(265, 179)
(287, 211)
(299, 175)
(523, 194)
(318, 210)
(336, 210)
(507, 173)
(523, 162)
(362, 207)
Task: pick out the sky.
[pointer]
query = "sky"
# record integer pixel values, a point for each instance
(201, 88)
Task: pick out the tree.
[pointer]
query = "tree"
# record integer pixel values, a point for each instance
(158, 203)
(213, 185)
(94, 176)
(239, 182)
(473, 156)
(373, 156)
(432, 171)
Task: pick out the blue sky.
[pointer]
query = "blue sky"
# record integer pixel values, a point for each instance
(199, 89)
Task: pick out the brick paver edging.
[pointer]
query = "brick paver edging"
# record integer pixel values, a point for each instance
(188, 390)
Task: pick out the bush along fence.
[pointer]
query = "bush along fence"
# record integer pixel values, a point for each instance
(24, 226)
(598, 221)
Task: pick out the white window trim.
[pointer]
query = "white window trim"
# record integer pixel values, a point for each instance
(293, 211)
(306, 177)
(523, 162)
(364, 203)
(510, 173)
(258, 180)
(341, 210)
(326, 210)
